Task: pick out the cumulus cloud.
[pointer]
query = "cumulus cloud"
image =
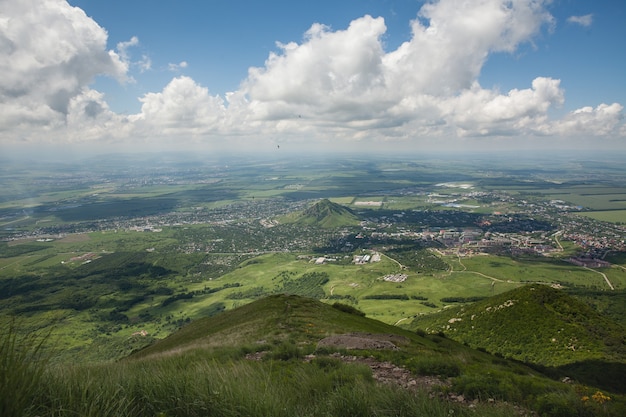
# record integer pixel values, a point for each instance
(584, 21)
(182, 106)
(49, 51)
(89, 119)
(603, 120)
(482, 112)
(122, 48)
(329, 74)
(452, 39)
(348, 78)
(334, 85)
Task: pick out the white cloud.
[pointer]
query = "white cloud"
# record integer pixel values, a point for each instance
(335, 86)
(144, 64)
(347, 80)
(329, 74)
(603, 120)
(452, 39)
(122, 48)
(49, 51)
(183, 106)
(89, 119)
(177, 67)
(584, 21)
(479, 112)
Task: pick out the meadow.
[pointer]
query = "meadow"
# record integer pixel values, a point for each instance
(107, 289)
(108, 293)
(220, 366)
(613, 216)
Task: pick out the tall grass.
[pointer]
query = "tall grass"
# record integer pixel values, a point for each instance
(22, 364)
(196, 385)
(222, 383)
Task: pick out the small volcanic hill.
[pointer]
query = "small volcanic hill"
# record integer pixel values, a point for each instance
(326, 214)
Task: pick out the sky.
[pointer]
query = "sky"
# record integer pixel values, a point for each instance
(344, 75)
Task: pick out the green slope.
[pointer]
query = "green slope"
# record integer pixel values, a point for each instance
(274, 319)
(541, 325)
(325, 214)
(288, 327)
(251, 361)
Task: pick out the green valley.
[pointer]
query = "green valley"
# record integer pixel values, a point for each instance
(117, 267)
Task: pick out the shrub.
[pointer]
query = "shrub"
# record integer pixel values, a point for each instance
(285, 351)
(436, 366)
(557, 404)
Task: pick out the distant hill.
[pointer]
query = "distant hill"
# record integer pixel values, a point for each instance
(537, 324)
(326, 214)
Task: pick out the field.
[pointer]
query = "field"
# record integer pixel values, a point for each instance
(113, 254)
(613, 216)
(99, 307)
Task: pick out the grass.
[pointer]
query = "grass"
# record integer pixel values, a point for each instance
(22, 366)
(89, 332)
(613, 216)
(197, 386)
(564, 330)
(220, 381)
(524, 270)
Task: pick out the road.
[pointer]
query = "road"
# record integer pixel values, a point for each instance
(604, 275)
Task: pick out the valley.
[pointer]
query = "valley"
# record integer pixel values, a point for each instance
(110, 257)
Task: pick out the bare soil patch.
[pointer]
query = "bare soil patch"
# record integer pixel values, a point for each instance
(73, 238)
(363, 341)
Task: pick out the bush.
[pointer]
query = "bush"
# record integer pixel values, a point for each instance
(480, 386)
(285, 351)
(557, 404)
(436, 366)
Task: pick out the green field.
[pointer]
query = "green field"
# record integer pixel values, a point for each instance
(101, 288)
(212, 235)
(613, 216)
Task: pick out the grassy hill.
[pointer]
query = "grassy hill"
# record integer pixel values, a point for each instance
(287, 355)
(325, 214)
(271, 320)
(541, 325)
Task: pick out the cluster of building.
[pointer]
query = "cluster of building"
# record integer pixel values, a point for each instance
(367, 258)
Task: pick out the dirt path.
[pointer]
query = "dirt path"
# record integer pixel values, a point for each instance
(482, 275)
(402, 267)
(556, 239)
(400, 321)
(604, 275)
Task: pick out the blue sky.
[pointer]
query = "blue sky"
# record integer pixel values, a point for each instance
(393, 74)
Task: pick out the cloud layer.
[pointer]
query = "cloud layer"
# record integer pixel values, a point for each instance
(333, 86)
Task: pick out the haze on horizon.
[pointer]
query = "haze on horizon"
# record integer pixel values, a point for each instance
(390, 76)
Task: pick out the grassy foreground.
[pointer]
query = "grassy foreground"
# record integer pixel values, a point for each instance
(205, 370)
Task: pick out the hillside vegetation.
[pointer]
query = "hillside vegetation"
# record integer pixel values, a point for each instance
(541, 325)
(324, 214)
(287, 355)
